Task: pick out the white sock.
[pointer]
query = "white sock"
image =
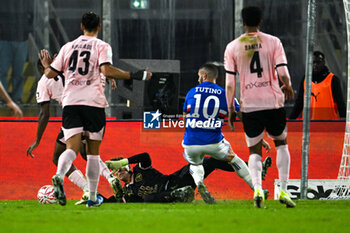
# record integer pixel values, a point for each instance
(197, 172)
(93, 175)
(78, 179)
(283, 165)
(255, 167)
(105, 172)
(242, 170)
(65, 162)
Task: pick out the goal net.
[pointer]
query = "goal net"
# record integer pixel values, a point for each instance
(342, 189)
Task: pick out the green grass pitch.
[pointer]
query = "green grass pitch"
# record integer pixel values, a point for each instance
(225, 216)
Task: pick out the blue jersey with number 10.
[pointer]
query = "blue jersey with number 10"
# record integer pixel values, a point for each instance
(205, 107)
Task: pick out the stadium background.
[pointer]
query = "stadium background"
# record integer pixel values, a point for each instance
(191, 32)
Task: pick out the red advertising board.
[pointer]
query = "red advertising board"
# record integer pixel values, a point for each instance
(22, 176)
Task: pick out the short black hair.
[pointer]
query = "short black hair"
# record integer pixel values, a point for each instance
(90, 21)
(252, 16)
(211, 70)
(319, 54)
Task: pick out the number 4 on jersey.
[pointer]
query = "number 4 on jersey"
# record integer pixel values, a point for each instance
(255, 64)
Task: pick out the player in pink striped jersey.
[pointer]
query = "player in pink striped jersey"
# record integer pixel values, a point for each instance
(259, 59)
(51, 89)
(82, 62)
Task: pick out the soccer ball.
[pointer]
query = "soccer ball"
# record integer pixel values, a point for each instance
(46, 195)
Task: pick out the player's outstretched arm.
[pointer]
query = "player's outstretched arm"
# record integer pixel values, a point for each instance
(115, 165)
(42, 123)
(113, 72)
(17, 112)
(284, 76)
(143, 159)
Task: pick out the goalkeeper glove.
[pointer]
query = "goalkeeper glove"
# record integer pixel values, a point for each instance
(115, 165)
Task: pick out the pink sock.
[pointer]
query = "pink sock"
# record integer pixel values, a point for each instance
(255, 167)
(65, 162)
(93, 174)
(283, 164)
(104, 170)
(78, 179)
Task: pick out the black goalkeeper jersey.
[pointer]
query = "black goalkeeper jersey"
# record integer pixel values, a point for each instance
(150, 185)
(146, 181)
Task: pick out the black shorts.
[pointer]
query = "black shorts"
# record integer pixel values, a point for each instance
(273, 120)
(90, 119)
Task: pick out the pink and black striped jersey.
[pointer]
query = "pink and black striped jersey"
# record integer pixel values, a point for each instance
(254, 57)
(80, 61)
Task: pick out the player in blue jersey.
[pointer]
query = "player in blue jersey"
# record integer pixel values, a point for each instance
(204, 109)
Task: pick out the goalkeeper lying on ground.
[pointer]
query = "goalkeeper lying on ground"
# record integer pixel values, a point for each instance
(146, 184)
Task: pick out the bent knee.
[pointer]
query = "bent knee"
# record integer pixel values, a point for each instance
(280, 142)
(230, 155)
(256, 149)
